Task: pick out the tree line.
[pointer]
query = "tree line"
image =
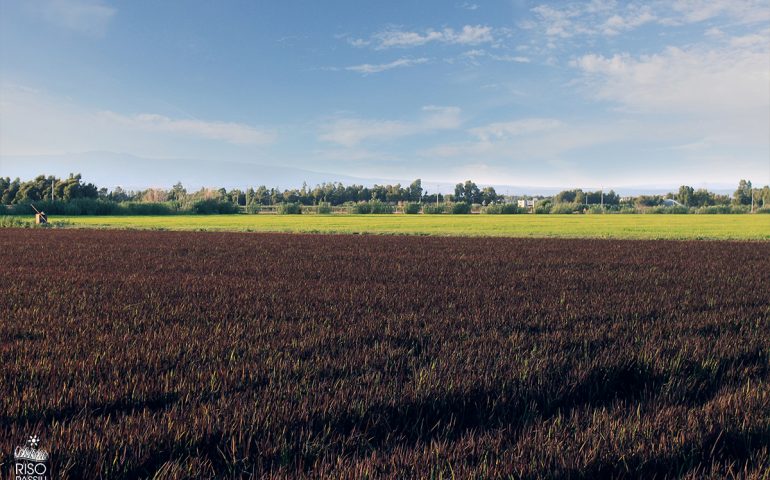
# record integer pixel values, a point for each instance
(206, 200)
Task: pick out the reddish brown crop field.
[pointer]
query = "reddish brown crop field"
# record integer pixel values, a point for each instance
(141, 354)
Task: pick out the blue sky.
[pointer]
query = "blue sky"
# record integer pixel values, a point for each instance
(503, 92)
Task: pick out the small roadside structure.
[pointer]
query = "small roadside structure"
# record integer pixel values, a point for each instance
(40, 217)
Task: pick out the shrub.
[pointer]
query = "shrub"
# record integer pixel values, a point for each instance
(211, 206)
(714, 209)
(78, 206)
(542, 208)
(14, 222)
(434, 209)
(677, 209)
(412, 208)
(289, 209)
(324, 208)
(374, 206)
(91, 206)
(88, 206)
(740, 209)
(145, 208)
(502, 209)
(763, 210)
(461, 208)
(563, 208)
(630, 210)
(594, 209)
(380, 207)
(362, 208)
(253, 208)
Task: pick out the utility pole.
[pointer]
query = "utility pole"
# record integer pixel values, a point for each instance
(601, 189)
(52, 182)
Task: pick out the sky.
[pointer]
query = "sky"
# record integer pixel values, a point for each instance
(502, 92)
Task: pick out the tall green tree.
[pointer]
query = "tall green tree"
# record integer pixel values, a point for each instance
(685, 195)
(467, 192)
(415, 191)
(742, 196)
(489, 195)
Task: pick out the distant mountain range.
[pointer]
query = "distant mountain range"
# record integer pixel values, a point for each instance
(109, 169)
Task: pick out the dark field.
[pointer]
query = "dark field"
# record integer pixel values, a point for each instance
(141, 354)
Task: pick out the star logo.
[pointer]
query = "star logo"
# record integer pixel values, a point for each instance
(33, 441)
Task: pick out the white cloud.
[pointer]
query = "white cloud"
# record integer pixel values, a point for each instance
(396, 38)
(90, 17)
(37, 123)
(349, 132)
(561, 22)
(744, 11)
(468, 6)
(692, 80)
(572, 19)
(527, 136)
(368, 68)
(633, 19)
(714, 100)
(502, 130)
(468, 35)
(511, 58)
(235, 133)
(478, 53)
(751, 40)
(474, 53)
(358, 42)
(592, 18)
(714, 32)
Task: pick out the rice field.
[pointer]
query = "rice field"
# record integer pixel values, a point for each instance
(142, 354)
(713, 227)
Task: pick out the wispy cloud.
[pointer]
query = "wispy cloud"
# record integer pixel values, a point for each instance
(235, 133)
(468, 6)
(478, 53)
(350, 132)
(397, 38)
(35, 122)
(742, 11)
(730, 78)
(368, 68)
(90, 17)
(504, 130)
(590, 18)
(525, 141)
(608, 18)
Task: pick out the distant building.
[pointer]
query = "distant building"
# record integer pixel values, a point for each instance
(670, 202)
(526, 203)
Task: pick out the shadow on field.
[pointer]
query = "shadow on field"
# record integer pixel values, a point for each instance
(718, 448)
(695, 383)
(117, 407)
(450, 416)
